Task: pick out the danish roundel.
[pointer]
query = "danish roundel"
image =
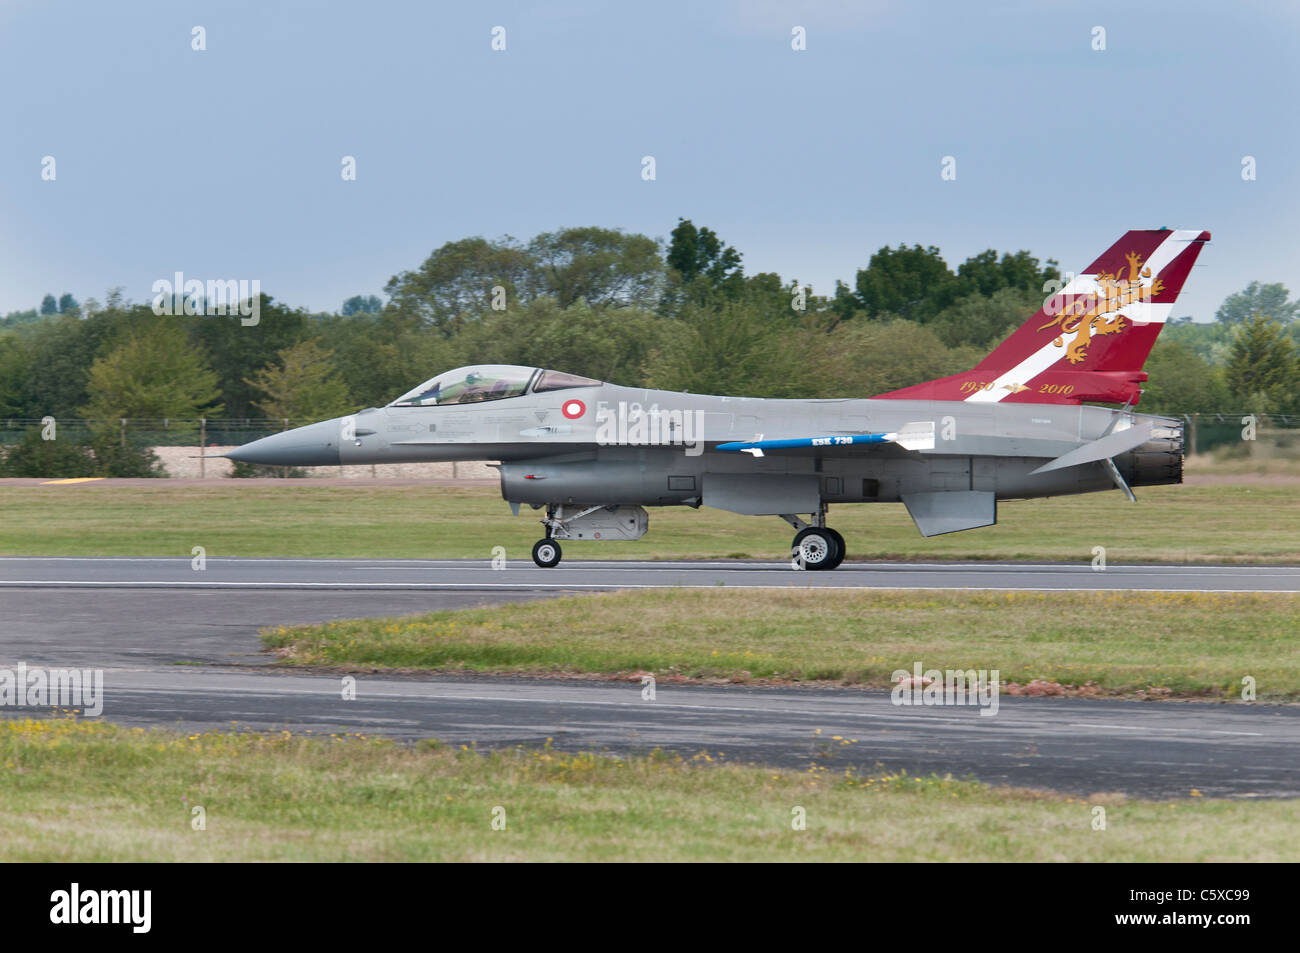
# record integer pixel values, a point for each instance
(573, 409)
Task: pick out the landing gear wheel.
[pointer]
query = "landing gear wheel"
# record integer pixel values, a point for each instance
(816, 549)
(839, 547)
(546, 553)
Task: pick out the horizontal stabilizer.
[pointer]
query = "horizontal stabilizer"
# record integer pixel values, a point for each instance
(1104, 448)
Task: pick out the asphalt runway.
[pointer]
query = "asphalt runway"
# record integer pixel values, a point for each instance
(133, 611)
(358, 575)
(139, 618)
(1160, 750)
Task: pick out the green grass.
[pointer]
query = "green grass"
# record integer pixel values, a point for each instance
(81, 791)
(1182, 643)
(1169, 524)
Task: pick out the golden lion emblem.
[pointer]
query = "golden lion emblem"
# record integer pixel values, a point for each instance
(1103, 317)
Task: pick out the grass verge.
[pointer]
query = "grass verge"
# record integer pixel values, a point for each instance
(1195, 644)
(1169, 524)
(83, 791)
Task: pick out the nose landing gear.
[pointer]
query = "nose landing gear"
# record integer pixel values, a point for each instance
(546, 553)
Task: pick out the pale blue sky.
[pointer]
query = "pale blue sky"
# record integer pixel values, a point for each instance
(225, 163)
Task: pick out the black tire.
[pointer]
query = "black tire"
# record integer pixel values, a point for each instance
(840, 550)
(815, 549)
(546, 553)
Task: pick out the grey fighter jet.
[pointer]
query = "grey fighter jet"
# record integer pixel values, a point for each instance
(594, 455)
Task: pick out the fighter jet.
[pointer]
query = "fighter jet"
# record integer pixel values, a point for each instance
(593, 455)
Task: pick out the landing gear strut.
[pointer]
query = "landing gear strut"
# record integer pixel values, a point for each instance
(815, 546)
(547, 552)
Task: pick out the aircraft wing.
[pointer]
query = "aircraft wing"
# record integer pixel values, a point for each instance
(913, 436)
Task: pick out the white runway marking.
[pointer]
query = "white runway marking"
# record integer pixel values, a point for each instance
(345, 586)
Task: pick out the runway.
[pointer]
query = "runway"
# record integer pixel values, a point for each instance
(133, 611)
(1083, 747)
(359, 575)
(147, 621)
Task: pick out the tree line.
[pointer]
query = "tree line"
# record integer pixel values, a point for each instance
(681, 314)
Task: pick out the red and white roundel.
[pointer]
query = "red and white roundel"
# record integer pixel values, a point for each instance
(573, 409)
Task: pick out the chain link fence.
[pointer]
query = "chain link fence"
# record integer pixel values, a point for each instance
(1207, 432)
(156, 431)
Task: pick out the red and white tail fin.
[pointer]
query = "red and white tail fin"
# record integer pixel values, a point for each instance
(1089, 341)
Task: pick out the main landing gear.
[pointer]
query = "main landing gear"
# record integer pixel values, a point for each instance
(817, 546)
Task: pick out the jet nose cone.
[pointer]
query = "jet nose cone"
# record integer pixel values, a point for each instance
(316, 445)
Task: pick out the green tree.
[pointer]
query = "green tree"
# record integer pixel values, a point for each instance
(153, 373)
(1181, 381)
(68, 305)
(913, 283)
(15, 368)
(237, 349)
(116, 459)
(610, 344)
(773, 298)
(104, 456)
(985, 274)
(1212, 340)
(728, 349)
(303, 385)
(362, 304)
(874, 357)
(49, 305)
(1258, 300)
(61, 350)
(15, 318)
(701, 264)
(33, 456)
(1262, 369)
(978, 321)
(382, 356)
(602, 266)
(844, 304)
(455, 283)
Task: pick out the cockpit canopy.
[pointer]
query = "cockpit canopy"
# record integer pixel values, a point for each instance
(468, 385)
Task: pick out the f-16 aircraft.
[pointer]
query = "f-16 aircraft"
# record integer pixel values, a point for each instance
(593, 455)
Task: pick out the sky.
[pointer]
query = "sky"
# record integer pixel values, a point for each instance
(226, 162)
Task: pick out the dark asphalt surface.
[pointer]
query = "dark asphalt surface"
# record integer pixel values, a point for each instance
(414, 574)
(1149, 749)
(137, 618)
